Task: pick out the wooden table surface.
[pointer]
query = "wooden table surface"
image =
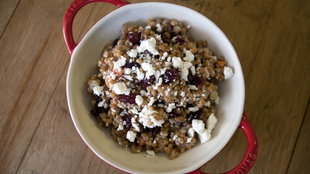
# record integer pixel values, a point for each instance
(271, 37)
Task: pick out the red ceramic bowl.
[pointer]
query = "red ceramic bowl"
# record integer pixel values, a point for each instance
(84, 57)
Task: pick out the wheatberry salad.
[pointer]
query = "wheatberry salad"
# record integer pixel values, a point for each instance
(156, 88)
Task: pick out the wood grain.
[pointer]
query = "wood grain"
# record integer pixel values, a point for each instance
(271, 37)
(301, 156)
(7, 8)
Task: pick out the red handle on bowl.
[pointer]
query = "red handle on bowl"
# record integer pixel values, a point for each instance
(251, 152)
(70, 14)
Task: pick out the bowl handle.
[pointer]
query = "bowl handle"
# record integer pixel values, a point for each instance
(251, 152)
(70, 14)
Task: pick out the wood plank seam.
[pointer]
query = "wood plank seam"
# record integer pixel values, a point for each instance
(303, 119)
(53, 93)
(4, 29)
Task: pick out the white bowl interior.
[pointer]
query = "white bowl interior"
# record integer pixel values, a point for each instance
(84, 63)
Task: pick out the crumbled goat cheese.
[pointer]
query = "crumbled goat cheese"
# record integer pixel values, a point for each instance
(192, 87)
(148, 68)
(119, 63)
(140, 75)
(139, 100)
(191, 132)
(120, 88)
(182, 66)
(132, 53)
(149, 45)
(193, 109)
(134, 124)
(151, 102)
(208, 104)
(120, 127)
(101, 104)
(131, 136)
(199, 127)
(127, 71)
(211, 122)
(147, 119)
(189, 56)
(128, 77)
(148, 27)
(188, 140)
(134, 111)
(159, 28)
(170, 107)
(143, 92)
(193, 71)
(228, 72)
(98, 90)
(150, 153)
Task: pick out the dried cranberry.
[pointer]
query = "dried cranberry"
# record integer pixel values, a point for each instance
(173, 114)
(155, 131)
(131, 64)
(169, 28)
(156, 56)
(97, 98)
(170, 75)
(195, 80)
(97, 110)
(127, 119)
(115, 42)
(134, 37)
(165, 39)
(194, 115)
(179, 40)
(147, 82)
(127, 98)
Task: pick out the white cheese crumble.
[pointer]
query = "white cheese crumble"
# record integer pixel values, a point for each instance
(193, 70)
(119, 63)
(127, 71)
(193, 109)
(98, 90)
(208, 104)
(147, 119)
(189, 56)
(191, 132)
(120, 88)
(140, 75)
(102, 104)
(182, 66)
(199, 127)
(131, 136)
(132, 53)
(139, 100)
(192, 87)
(148, 27)
(170, 107)
(134, 124)
(148, 68)
(228, 72)
(159, 28)
(149, 45)
(211, 122)
(188, 140)
(120, 127)
(150, 153)
(128, 77)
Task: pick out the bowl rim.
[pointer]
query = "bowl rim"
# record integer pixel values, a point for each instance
(87, 35)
